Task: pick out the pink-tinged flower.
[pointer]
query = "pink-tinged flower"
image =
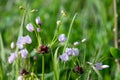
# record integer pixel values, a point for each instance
(27, 39)
(24, 53)
(38, 21)
(30, 27)
(12, 57)
(23, 40)
(76, 51)
(76, 43)
(38, 30)
(12, 45)
(62, 38)
(99, 66)
(20, 78)
(69, 51)
(64, 57)
(20, 42)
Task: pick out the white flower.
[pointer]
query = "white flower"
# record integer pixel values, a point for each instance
(38, 21)
(62, 38)
(99, 66)
(24, 53)
(12, 57)
(20, 78)
(30, 27)
(12, 45)
(64, 57)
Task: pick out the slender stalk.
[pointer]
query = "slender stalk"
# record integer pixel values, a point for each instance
(116, 30)
(84, 57)
(115, 25)
(42, 67)
(69, 32)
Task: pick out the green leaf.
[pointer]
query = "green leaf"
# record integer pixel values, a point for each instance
(115, 52)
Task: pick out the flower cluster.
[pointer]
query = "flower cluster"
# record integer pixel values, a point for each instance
(69, 52)
(31, 28)
(23, 40)
(20, 44)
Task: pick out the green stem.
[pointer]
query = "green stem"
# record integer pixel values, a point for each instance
(42, 67)
(84, 59)
(69, 32)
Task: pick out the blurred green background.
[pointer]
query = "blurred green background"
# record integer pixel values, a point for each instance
(95, 22)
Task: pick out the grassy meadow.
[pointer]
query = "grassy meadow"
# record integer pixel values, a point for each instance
(59, 40)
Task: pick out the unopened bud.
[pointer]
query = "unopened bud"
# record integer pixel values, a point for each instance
(38, 21)
(12, 45)
(33, 10)
(63, 13)
(58, 22)
(83, 40)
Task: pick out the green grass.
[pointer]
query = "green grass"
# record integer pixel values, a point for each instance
(94, 21)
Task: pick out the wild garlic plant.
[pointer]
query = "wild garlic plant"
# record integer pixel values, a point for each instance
(64, 56)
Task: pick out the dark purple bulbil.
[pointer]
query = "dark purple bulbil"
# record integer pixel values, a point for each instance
(78, 69)
(24, 72)
(43, 49)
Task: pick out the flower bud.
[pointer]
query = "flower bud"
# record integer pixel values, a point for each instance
(38, 21)
(12, 45)
(83, 40)
(58, 22)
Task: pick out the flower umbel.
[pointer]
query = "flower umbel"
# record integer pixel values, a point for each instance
(23, 40)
